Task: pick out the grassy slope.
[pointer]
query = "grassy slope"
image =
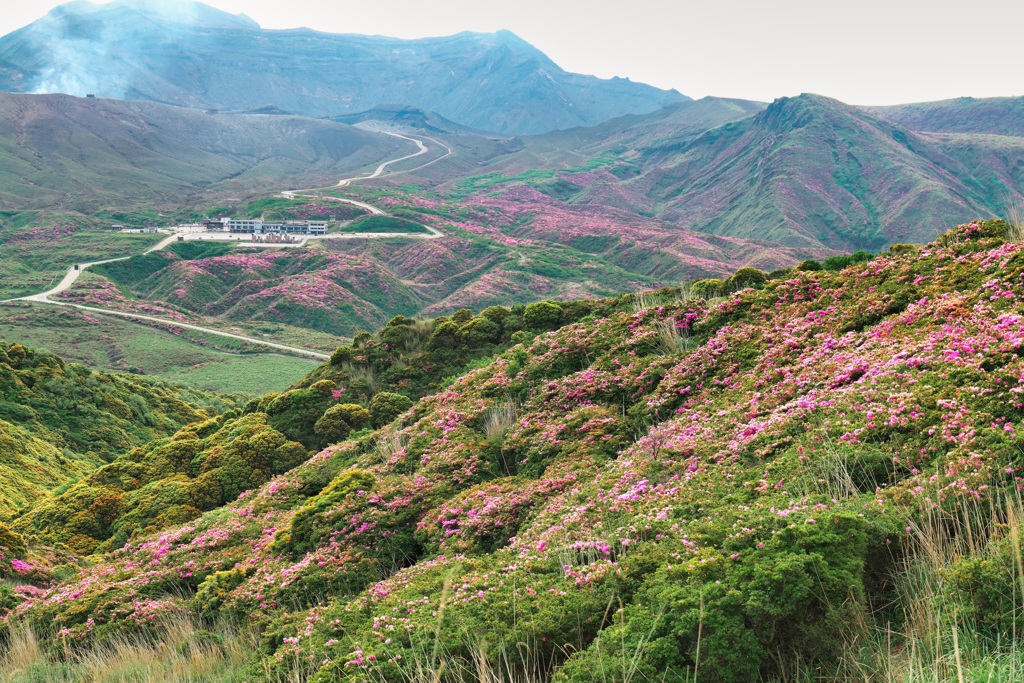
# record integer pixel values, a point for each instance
(58, 421)
(113, 344)
(809, 170)
(89, 154)
(35, 256)
(743, 477)
(804, 171)
(986, 116)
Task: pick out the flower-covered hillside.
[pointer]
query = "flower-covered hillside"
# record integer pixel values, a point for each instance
(335, 293)
(168, 482)
(723, 485)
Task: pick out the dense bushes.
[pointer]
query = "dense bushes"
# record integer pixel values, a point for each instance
(59, 421)
(162, 484)
(659, 477)
(339, 421)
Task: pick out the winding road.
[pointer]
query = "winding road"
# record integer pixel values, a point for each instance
(75, 271)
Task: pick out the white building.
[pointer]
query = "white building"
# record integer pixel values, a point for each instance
(258, 227)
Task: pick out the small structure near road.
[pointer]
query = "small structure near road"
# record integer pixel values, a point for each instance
(252, 226)
(275, 238)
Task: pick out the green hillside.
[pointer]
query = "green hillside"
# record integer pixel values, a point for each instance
(59, 421)
(88, 154)
(811, 477)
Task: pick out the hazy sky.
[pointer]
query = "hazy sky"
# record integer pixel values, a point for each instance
(859, 51)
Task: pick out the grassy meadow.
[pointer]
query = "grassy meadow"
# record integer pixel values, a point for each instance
(108, 343)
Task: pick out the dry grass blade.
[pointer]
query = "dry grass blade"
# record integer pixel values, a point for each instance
(499, 419)
(1015, 219)
(671, 337)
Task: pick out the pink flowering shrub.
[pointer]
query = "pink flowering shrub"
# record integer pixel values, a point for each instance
(749, 491)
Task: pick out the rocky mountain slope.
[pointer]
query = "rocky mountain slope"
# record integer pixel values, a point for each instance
(668, 485)
(197, 56)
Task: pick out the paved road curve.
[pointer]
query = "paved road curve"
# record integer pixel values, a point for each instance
(75, 271)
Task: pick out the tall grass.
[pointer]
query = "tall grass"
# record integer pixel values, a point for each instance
(499, 419)
(671, 337)
(930, 638)
(1015, 219)
(677, 296)
(181, 653)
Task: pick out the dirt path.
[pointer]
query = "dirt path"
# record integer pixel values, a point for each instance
(197, 328)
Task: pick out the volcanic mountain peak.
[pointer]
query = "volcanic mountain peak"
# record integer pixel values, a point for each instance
(186, 13)
(196, 56)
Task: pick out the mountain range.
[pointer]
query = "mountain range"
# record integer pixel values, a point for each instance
(197, 56)
(802, 171)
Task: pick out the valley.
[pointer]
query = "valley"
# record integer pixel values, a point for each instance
(339, 357)
(180, 235)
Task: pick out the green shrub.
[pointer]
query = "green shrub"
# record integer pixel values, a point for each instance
(479, 331)
(543, 315)
(707, 289)
(11, 542)
(445, 335)
(496, 314)
(836, 263)
(308, 526)
(386, 406)
(339, 421)
(746, 277)
(214, 590)
(343, 354)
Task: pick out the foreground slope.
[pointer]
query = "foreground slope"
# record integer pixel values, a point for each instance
(133, 50)
(730, 486)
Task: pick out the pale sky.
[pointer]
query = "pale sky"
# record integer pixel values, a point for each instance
(859, 51)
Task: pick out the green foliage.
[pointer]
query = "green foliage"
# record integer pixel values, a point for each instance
(8, 599)
(746, 277)
(542, 315)
(308, 526)
(384, 224)
(11, 542)
(295, 413)
(214, 589)
(707, 289)
(386, 406)
(834, 263)
(60, 421)
(343, 354)
(479, 331)
(165, 483)
(339, 421)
